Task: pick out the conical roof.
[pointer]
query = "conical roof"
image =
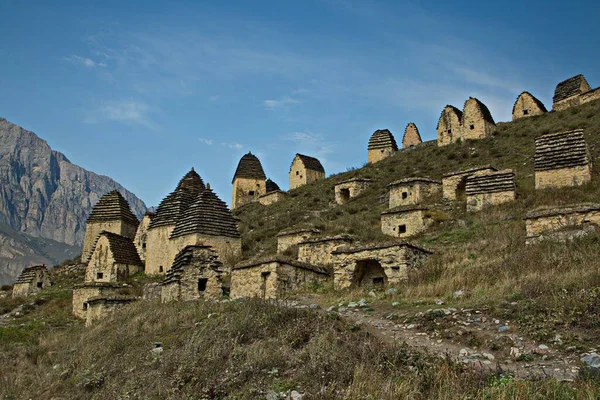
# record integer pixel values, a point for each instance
(170, 208)
(112, 207)
(271, 186)
(249, 167)
(207, 215)
(382, 139)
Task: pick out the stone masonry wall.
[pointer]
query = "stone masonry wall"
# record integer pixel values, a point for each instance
(575, 176)
(538, 226)
(247, 190)
(526, 106)
(318, 252)
(141, 237)
(272, 197)
(250, 282)
(352, 187)
(225, 247)
(101, 308)
(83, 293)
(301, 176)
(32, 288)
(415, 221)
(287, 240)
(483, 200)
(415, 193)
(451, 183)
(159, 250)
(448, 126)
(375, 155)
(93, 230)
(474, 126)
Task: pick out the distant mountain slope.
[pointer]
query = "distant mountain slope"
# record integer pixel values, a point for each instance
(43, 195)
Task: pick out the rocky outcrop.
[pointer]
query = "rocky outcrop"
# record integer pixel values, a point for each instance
(44, 195)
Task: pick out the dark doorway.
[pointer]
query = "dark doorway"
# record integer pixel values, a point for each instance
(202, 284)
(345, 195)
(263, 285)
(461, 192)
(369, 272)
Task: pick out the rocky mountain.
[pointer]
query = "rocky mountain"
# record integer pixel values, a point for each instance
(44, 201)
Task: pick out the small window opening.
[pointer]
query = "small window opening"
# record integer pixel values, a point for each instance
(404, 195)
(85, 306)
(251, 193)
(99, 275)
(378, 281)
(449, 130)
(297, 172)
(160, 269)
(39, 284)
(472, 127)
(143, 245)
(300, 176)
(202, 284)
(402, 229)
(382, 151)
(395, 267)
(525, 112)
(265, 274)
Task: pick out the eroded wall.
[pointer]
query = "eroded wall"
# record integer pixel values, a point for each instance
(555, 178)
(414, 222)
(246, 190)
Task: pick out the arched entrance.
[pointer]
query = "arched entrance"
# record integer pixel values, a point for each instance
(369, 272)
(461, 190)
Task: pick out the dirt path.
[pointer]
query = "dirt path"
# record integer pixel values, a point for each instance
(468, 336)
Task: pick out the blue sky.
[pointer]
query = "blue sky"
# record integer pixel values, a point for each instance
(142, 90)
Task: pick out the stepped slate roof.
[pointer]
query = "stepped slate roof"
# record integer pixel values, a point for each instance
(378, 246)
(414, 179)
(171, 207)
(570, 209)
(122, 249)
(382, 139)
(491, 182)
(470, 170)
(535, 100)
(485, 112)
(272, 186)
(281, 260)
(207, 215)
(449, 109)
(309, 163)
(28, 274)
(561, 150)
(570, 87)
(249, 167)
(189, 255)
(112, 207)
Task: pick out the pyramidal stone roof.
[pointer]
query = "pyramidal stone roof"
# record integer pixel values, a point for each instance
(170, 208)
(533, 98)
(561, 150)
(249, 167)
(207, 215)
(411, 135)
(485, 112)
(570, 87)
(272, 186)
(192, 254)
(28, 274)
(112, 207)
(382, 139)
(122, 249)
(310, 163)
(491, 182)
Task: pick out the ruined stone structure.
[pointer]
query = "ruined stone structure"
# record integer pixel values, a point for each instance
(448, 127)
(411, 136)
(83, 293)
(112, 214)
(573, 92)
(489, 189)
(31, 281)
(100, 307)
(141, 235)
(318, 251)
(195, 274)
(412, 191)
(272, 278)
(527, 105)
(305, 169)
(350, 188)
(403, 222)
(113, 259)
(454, 184)
(273, 195)
(248, 181)
(476, 121)
(562, 223)
(289, 238)
(381, 145)
(562, 159)
(376, 265)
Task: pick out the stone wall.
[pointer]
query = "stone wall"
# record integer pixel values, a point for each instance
(527, 106)
(187, 289)
(412, 191)
(246, 190)
(454, 184)
(81, 294)
(486, 189)
(287, 239)
(102, 262)
(375, 155)
(404, 223)
(554, 178)
(346, 190)
(39, 282)
(543, 222)
(448, 126)
(141, 237)
(318, 251)
(225, 247)
(474, 125)
(395, 259)
(271, 279)
(93, 230)
(151, 291)
(300, 176)
(272, 197)
(100, 308)
(159, 252)
(590, 96)
(411, 136)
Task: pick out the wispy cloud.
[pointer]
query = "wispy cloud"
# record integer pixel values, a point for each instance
(212, 99)
(125, 111)
(208, 142)
(280, 103)
(232, 145)
(84, 61)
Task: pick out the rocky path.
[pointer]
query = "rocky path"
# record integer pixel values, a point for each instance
(468, 336)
